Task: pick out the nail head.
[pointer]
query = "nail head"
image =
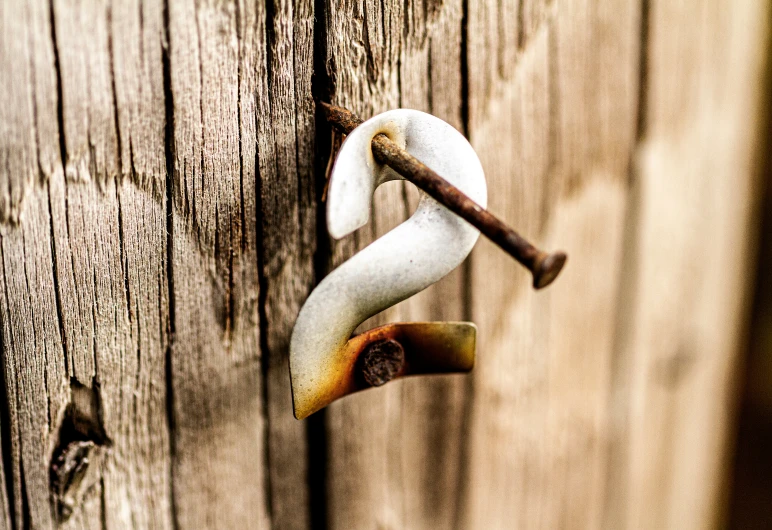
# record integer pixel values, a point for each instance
(382, 361)
(548, 267)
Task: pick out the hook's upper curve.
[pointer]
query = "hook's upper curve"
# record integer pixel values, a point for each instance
(412, 256)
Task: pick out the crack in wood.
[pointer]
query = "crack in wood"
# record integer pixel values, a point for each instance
(169, 265)
(261, 263)
(316, 425)
(57, 287)
(6, 445)
(59, 88)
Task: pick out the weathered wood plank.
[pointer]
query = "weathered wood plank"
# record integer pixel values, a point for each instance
(102, 384)
(75, 297)
(26, 150)
(361, 461)
(106, 230)
(432, 419)
(695, 182)
(286, 141)
(110, 241)
(111, 251)
(554, 125)
(397, 450)
(216, 372)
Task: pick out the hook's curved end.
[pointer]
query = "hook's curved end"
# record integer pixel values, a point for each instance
(429, 348)
(349, 198)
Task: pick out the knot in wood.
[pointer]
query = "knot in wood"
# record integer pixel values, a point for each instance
(69, 470)
(381, 361)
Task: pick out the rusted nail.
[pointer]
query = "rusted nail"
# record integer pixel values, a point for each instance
(381, 362)
(544, 266)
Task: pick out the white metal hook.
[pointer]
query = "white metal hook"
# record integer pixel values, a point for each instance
(411, 257)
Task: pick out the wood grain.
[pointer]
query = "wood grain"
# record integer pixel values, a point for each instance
(93, 304)
(160, 170)
(696, 182)
(288, 227)
(215, 358)
(25, 422)
(362, 462)
(554, 125)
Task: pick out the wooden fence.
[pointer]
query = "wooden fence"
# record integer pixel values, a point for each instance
(161, 166)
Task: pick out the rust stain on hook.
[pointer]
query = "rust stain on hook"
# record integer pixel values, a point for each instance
(373, 358)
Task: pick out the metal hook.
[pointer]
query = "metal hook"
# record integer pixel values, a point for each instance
(417, 253)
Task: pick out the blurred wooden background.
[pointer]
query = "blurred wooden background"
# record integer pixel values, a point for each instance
(161, 165)
(751, 485)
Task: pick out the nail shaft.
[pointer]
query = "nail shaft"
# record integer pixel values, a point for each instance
(544, 266)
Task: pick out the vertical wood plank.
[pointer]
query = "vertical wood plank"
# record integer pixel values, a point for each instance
(92, 257)
(193, 82)
(431, 435)
(216, 372)
(397, 449)
(554, 125)
(27, 150)
(362, 461)
(111, 250)
(288, 224)
(696, 183)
